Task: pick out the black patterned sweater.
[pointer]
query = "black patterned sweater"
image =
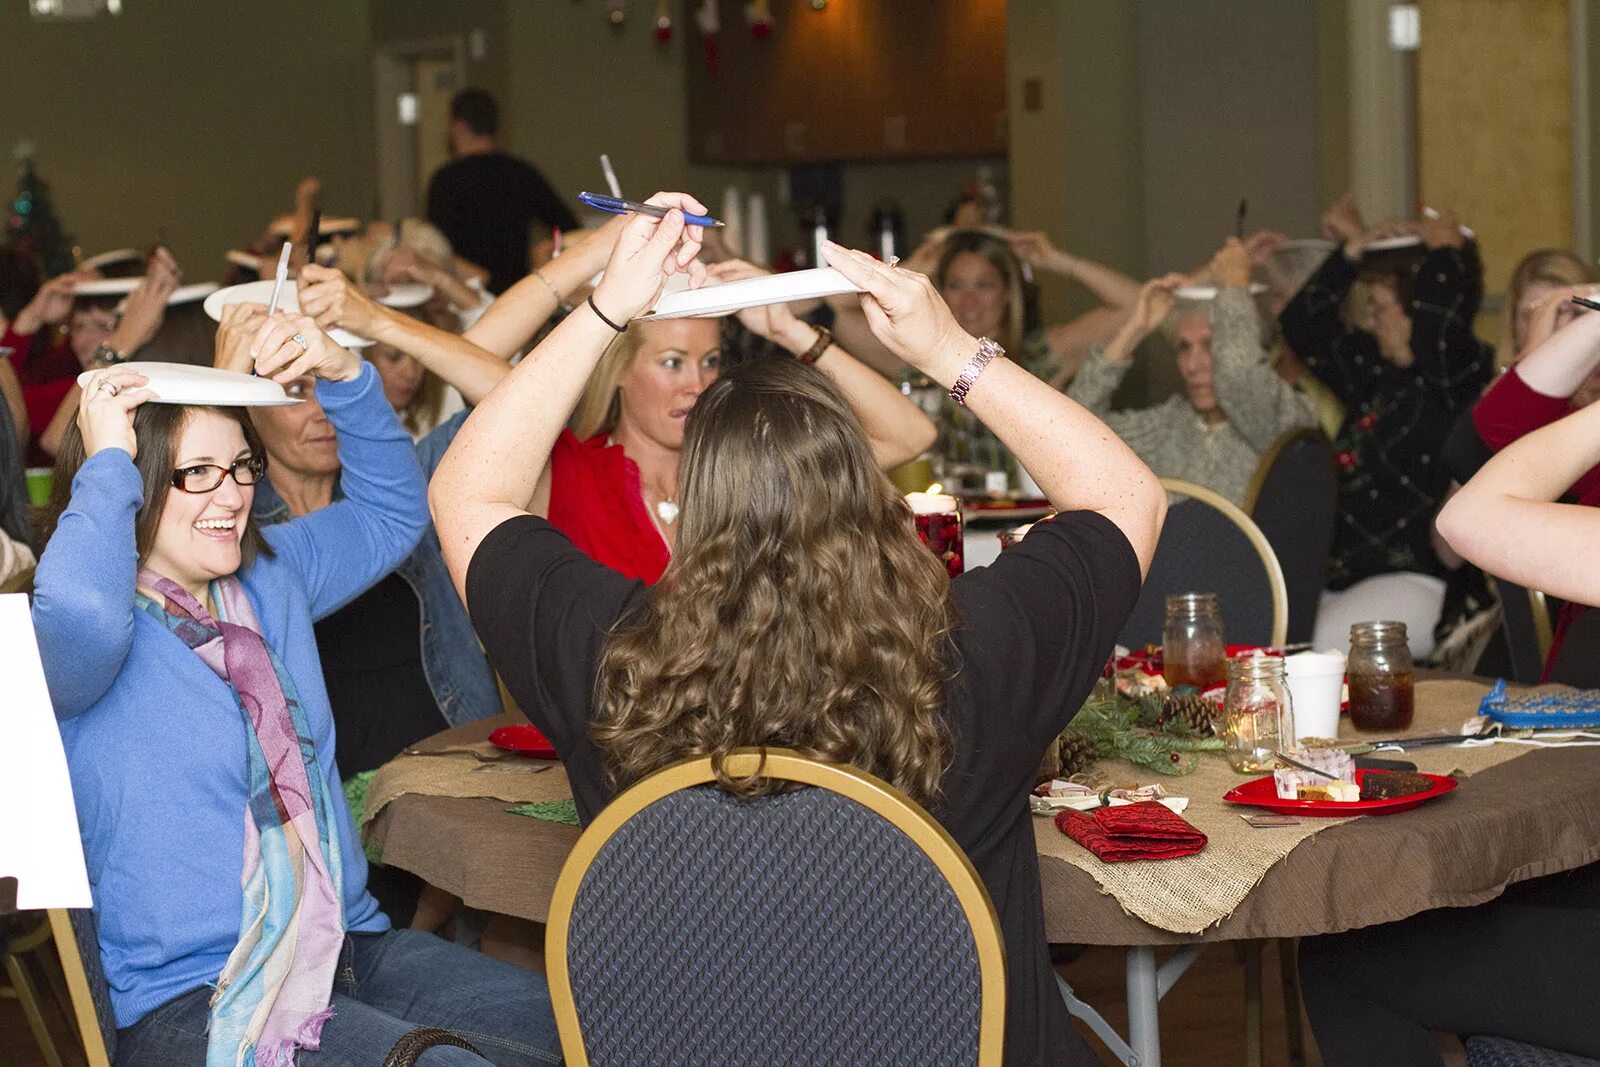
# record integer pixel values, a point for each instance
(1392, 477)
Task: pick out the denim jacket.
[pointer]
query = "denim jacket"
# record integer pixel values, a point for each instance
(458, 673)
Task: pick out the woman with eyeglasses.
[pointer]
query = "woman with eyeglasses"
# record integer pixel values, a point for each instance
(176, 637)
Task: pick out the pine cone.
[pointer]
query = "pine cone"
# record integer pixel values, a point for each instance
(1077, 753)
(1194, 712)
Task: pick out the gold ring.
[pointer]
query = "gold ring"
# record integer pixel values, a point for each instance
(107, 386)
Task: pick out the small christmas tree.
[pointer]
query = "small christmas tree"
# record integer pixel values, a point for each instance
(31, 223)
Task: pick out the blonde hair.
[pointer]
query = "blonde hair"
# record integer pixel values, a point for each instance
(601, 403)
(1547, 266)
(421, 237)
(799, 609)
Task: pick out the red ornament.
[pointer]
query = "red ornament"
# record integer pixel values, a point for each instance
(1346, 460)
(1175, 757)
(663, 30)
(1366, 422)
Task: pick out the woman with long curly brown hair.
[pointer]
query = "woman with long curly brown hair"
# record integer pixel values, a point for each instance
(799, 609)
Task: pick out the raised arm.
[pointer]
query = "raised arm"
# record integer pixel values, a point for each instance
(1152, 305)
(1259, 404)
(896, 428)
(1505, 519)
(83, 588)
(342, 549)
(1446, 298)
(521, 310)
(1076, 459)
(334, 300)
(492, 470)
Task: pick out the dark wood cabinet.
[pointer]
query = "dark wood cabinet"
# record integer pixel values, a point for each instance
(856, 80)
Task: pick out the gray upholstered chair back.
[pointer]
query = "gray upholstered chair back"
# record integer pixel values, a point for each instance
(1209, 546)
(798, 928)
(1500, 1052)
(1293, 498)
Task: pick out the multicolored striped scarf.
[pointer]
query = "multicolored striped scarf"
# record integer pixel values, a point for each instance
(273, 995)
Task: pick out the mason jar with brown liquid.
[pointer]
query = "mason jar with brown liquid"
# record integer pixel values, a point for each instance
(1193, 650)
(1381, 676)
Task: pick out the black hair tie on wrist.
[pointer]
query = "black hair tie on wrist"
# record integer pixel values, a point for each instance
(595, 308)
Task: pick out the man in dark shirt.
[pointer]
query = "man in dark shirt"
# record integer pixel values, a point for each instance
(485, 200)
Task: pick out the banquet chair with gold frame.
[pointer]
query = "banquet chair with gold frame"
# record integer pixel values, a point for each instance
(85, 998)
(833, 923)
(1209, 545)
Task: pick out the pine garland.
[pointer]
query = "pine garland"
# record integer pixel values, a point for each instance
(1139, 732)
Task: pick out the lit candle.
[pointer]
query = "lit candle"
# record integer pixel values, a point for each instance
(819, 237)
(886, 239)
(938, 520)
(732, 220)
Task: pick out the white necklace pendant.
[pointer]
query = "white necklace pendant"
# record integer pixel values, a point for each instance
(668, 511)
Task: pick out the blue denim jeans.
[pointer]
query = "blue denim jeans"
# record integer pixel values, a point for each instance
(387, 985)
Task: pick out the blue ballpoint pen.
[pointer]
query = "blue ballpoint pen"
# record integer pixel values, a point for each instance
(618, 206)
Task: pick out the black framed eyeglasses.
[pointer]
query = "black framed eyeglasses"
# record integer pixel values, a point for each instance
(204, 477)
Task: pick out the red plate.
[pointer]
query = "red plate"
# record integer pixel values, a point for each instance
(1261, 793)
(524, 739)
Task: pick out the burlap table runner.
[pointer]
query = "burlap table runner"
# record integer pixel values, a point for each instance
(515, 779)
(1189, 894)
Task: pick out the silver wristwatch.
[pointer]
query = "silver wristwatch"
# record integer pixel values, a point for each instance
(987, 350)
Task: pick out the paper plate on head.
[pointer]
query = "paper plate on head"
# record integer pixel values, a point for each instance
(106, 287)
(1209, 292)
(712, 301)
(180, 383)
(261, 293)
(1408, 240)
(1309, 244)
(188, 294)
(106, 259)
(409, 295)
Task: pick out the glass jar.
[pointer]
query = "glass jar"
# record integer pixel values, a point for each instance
(1381, 677)
(1257, 715)
(1193, 651)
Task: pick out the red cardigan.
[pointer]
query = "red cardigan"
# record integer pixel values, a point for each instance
(1512, 409)
(46, 379)
(596, 500)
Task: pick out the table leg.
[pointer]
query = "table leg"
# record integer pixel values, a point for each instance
(1289, 967)
(1144, 1022)
(1252, 1003)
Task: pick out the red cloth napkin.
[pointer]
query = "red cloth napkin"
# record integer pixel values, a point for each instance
(1148, 830)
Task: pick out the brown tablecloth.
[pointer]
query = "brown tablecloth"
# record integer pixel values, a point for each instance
(1533, 815)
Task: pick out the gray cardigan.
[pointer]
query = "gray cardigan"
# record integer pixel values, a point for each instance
(1173, 439)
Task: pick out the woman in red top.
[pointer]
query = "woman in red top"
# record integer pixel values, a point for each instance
(612, 482)
(1550, 382)
(48, 366)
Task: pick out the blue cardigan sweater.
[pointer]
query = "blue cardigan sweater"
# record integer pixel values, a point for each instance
(155, 740)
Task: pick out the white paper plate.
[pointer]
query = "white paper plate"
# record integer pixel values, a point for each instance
(180, 383)
(711, 301)
(124, 286)
(1315, 244)
(188, 294)
(261, 293)
(106, 287)
(1209, 292)
(106, 259)
(406, 296)
(1409, 240)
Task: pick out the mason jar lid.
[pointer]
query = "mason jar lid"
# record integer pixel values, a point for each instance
(1369, 634)
(1256, 669)
(1191, 603)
